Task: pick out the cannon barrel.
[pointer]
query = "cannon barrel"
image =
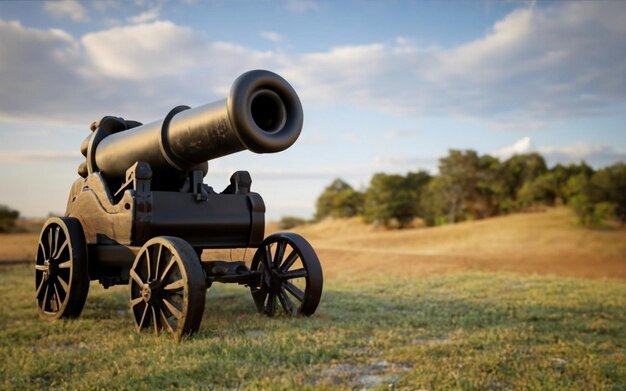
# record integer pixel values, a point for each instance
(262, 113)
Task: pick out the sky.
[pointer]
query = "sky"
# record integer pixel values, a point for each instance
(385, 86)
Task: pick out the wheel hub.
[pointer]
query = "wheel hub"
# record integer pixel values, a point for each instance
(151, 292)
(50, 268)
(275, 282)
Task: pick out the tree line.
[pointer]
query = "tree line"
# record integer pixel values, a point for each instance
(8, 217)
(470, 186)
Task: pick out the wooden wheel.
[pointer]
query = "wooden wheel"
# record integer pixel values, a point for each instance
(61, 276)
(167, 287)
(291, 275)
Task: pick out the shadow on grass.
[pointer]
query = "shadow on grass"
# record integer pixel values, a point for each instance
(493, 330)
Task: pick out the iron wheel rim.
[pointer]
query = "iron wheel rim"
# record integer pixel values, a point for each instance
(283, 260)
(167, 288)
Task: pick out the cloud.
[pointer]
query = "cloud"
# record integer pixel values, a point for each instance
(521, 146)
(598, 155)
(272, 36)
(538, 63)
(70, 9)
(149, 50)
(145, 17)
(534, 65)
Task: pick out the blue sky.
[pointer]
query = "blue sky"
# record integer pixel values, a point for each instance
(386, 86)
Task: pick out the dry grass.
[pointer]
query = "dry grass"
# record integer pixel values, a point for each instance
(18, 246)
(544, 242)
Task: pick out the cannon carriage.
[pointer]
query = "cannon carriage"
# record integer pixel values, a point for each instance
(140, 214)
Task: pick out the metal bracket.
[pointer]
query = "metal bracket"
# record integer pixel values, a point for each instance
(199, 192)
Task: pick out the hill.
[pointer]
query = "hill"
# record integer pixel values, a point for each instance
(542, 242)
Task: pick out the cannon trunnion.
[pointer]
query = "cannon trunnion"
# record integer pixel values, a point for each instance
(141, 215)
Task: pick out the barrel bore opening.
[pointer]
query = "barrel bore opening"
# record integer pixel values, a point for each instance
(268, 111)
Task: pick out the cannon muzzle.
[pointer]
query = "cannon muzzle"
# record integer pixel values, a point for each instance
(262, 113)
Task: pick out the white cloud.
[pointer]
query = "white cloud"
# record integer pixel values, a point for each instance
(272, 36)
(145, 17)
(70, 9)
(577, 151)
(142, 51)
(596, 154)
(535, 65)
(521, 146)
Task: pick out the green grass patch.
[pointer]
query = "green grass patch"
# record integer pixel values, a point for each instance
(459, 331)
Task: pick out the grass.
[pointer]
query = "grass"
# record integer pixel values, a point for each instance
(471, 330)
(518, 302)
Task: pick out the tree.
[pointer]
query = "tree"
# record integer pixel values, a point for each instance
(469, 185)
(8, 217)
(562, 174)
(599, 197)
(540, 190)
(609, 185)
(517, 171)
(434, 204)
(288, 222)
(394, 198)
(339, 199)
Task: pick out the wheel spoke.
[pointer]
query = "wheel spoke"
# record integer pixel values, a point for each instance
(58, 297)
(298, 273)
(41, 284)
(286, 302)
(41, 268)
(45, 297)
(173, 310)
(136, 301)
(158, 263)
(65, 265)
(57, 233)
(267, 260)
(43, 250)
(291, 259)
(168, 268)
(271, 304)
(165, 321)
(64, 285)
(294, 290)
(156, 321)
(147, 253)
(135, 276)
(60, 250)
(178, 284)
(50, 233)
(143, 316)
(280, 252)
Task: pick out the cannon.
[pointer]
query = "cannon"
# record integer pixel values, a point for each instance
(140, 214)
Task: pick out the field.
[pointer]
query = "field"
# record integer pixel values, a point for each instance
(518, 302)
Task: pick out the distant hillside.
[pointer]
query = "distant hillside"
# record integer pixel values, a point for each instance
(542, 242)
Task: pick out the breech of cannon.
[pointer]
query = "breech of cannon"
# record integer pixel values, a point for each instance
(262, 113)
